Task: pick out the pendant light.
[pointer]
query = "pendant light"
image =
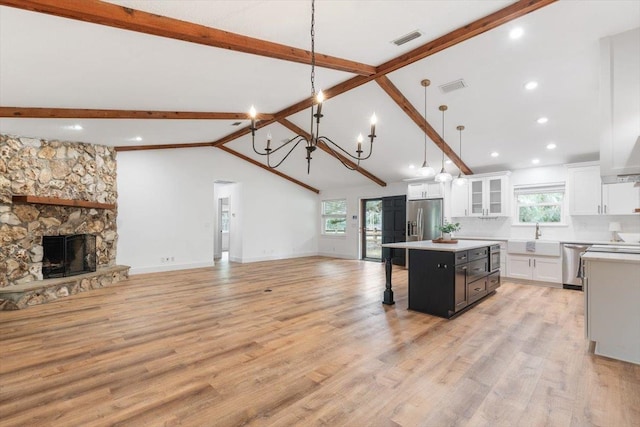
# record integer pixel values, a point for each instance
(460, 180)
(425, 170)
(443, 176)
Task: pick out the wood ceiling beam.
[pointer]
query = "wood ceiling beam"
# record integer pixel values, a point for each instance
(86, 113)
(321, 145)
(112, 15)
(403, 102)
(265, 167)
(161, 146)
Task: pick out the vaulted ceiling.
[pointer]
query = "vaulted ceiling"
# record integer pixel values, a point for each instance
(132, 79)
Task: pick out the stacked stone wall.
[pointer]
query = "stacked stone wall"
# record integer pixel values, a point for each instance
(56, 169)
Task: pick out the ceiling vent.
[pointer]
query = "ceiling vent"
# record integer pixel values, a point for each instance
(451, 86)
(236, 123)
(407, 38)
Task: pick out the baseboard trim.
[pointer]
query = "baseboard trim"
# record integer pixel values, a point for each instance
(170, 267)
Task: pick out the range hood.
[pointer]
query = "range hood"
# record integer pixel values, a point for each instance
(620, 107)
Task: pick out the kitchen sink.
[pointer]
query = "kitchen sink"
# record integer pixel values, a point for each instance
(534, 247)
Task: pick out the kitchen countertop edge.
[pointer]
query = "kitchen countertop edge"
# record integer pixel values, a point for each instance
(428, 245)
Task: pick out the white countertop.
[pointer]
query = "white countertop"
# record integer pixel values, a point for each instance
(428, 245)
(611, 257)
(576, 241)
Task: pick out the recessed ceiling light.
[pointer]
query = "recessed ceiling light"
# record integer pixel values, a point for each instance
(412, 166)
(531, 85)
(551, 146)
(535, 161)
(516, 33)
(74, 127)
(495, 154)
(448, 161)
(542, 120)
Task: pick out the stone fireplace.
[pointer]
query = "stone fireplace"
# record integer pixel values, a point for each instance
(50, 190)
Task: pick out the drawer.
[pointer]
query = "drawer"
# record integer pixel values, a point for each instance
(461, 257)
(478, 253)
(477, 269)
(476, 290)
(493, 281)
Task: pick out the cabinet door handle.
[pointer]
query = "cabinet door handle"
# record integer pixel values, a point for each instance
(442, 265)
(605, 208)
(598, 209)
(465, 212)
(478, 289)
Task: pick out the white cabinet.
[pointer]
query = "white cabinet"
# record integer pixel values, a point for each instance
(539, 268)
(488, 196)
(460, 200)
(612, 318)
(588, 196)
(620, 199)
(425, 190)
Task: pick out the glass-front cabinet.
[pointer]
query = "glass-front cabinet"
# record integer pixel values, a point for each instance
(487, 196)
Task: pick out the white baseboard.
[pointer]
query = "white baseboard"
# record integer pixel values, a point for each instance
(335, 255)
(273, 257)
(169, 267)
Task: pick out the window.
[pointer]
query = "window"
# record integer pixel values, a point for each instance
(539, 203)
(334, 217)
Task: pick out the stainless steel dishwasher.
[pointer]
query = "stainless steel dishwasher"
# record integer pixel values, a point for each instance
(571, 265)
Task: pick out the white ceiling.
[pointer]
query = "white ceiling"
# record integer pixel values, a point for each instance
(46, 61)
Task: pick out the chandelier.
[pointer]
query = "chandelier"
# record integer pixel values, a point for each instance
(443, 176)
(314, 138)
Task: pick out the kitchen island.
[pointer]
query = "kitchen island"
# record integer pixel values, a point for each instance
(612, 293)
(446, 279)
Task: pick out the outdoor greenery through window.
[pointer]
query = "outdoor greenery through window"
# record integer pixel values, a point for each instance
(334, 217)
(542, 204)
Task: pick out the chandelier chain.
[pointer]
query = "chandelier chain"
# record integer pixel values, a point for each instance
(313, 47)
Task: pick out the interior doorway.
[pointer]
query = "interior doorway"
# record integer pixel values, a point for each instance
(371, 229)
(224, 228)
(224, 241)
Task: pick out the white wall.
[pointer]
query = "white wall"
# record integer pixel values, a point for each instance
(348, 246)
(166, 208)
(594, 228)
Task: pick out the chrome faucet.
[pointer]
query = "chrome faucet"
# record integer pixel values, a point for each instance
(538, 233)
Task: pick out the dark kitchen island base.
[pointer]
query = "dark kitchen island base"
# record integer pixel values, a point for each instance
(447, 280)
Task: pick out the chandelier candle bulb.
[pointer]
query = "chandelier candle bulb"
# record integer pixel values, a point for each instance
(374, 120)
(359, 150)
(269, 141)
(252, 114)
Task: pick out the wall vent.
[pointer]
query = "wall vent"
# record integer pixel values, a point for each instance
(451, 86)
(407, 38)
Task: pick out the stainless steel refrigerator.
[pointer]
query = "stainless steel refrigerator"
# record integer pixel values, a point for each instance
(423, 219)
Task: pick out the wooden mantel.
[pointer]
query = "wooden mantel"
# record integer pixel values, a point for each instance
(61, 202)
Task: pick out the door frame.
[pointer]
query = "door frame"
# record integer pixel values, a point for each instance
(363, 229)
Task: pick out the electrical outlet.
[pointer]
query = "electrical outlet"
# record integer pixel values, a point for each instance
(172, 259)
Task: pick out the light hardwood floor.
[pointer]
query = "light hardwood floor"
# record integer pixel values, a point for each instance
(211, 347)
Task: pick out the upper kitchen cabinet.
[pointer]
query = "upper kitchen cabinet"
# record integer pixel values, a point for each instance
(488, 195)
(425, 190)
(620, 107)
(589, 196)
(460, 200)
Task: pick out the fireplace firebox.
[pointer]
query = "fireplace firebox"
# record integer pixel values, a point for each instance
(68, 255)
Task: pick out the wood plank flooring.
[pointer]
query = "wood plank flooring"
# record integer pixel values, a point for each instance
(215, 347)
